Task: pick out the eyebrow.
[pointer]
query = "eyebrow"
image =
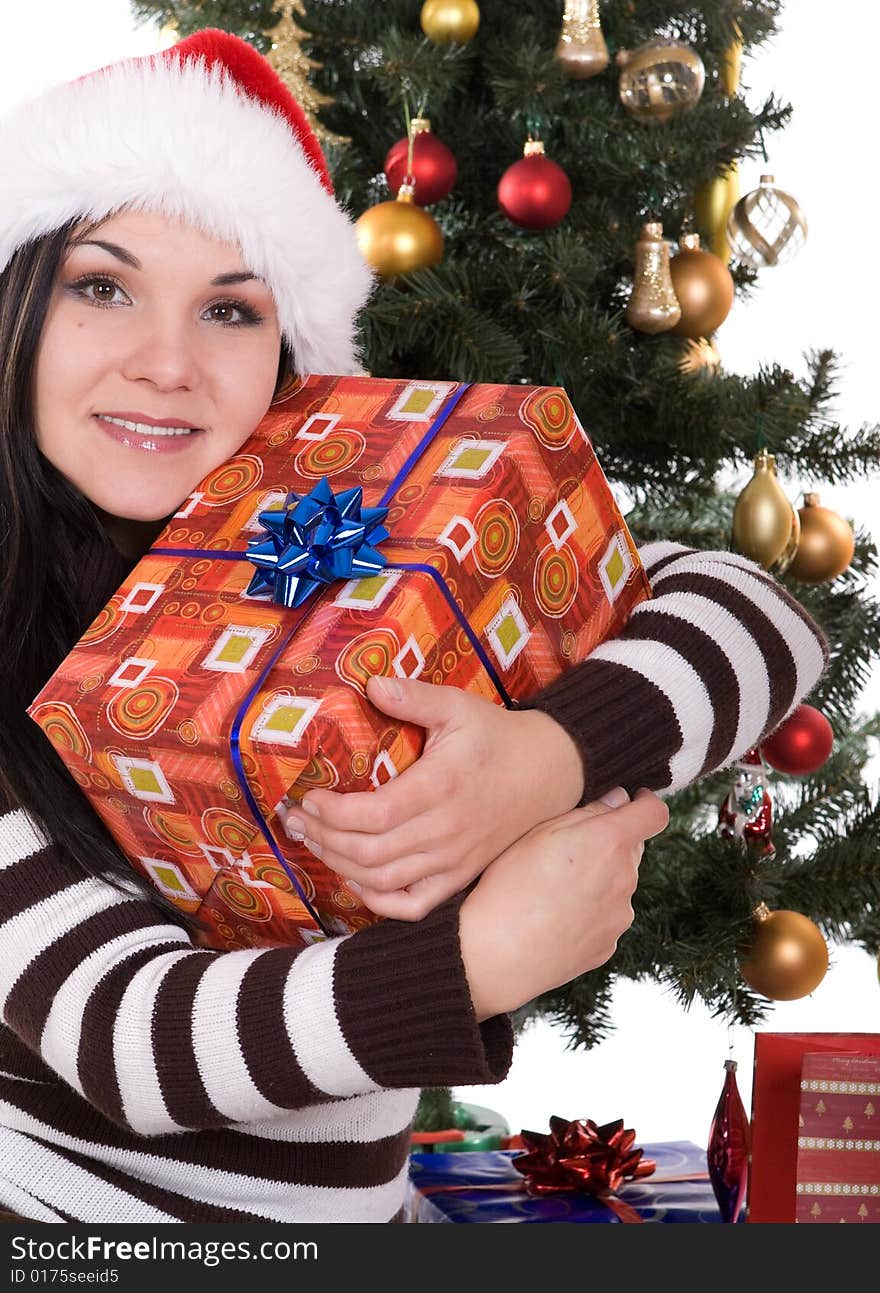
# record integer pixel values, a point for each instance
(222, 280)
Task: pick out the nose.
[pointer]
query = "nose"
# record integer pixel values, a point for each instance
(163, 351)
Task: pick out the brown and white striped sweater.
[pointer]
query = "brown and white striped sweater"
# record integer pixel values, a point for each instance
(143, 1079)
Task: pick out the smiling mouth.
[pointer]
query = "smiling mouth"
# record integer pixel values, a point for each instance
(144, 429)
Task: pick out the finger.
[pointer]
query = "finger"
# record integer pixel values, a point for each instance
(374, 811)
(398, 874)
(640, 818)
(425, 835)
(611, 800)
(646, 816)
(417, 702)
(413, 903)
(596, 808)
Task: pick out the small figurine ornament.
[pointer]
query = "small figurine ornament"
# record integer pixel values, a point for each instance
(747, 812)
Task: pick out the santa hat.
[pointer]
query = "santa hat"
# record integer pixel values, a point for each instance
(205, 132)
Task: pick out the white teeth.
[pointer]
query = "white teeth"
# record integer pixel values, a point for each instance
(142, 429)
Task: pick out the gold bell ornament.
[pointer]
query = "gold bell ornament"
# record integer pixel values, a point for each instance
(703, 285)
(713, 202)
(398, 237)
(448, 21)
(766, 527)
(787, 957)
(581, 51)
(766, 227)
(660, 79)
(826, 546)
(652, 306)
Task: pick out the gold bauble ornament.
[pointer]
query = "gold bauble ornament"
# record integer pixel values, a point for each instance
(652, 305)
(581, 51)
(445, 21)
(660, 80)
(765, 525)
(826, 546)
(701, 355)
(766, 227)
(704, 287)
(713, 203)
(398, 237)
(787, 957)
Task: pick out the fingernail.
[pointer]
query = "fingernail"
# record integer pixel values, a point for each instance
(392, 688)
(314, 849)
(309, 807)
(294, 825)
(615, 798)
(354, 886)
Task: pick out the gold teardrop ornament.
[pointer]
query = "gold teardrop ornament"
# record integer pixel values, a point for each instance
(766, 527)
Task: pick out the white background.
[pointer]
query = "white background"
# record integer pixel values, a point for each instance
(662, 1069)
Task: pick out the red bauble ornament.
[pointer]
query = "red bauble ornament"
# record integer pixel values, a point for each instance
(434, 168)
(728, 1154)
(535, 192)
(801, 744)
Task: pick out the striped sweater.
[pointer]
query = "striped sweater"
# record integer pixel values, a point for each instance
(145, 1079)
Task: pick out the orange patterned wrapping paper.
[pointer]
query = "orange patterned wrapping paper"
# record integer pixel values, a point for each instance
(507, 503)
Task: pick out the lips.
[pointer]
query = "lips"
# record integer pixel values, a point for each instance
(145, 420)
(146, 437)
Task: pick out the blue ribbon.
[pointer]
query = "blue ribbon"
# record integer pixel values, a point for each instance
(316, 539)
(304, 543)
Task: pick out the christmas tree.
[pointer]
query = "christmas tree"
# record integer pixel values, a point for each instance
(544, 288)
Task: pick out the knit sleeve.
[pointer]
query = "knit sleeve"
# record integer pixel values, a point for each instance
(707, 668)
(161, 1036)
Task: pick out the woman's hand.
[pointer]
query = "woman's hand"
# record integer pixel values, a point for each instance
(487, 775)
(554, 905)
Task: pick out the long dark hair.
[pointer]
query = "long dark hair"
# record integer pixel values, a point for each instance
(44, 523)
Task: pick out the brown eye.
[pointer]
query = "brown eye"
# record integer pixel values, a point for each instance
(233, 314)
(98, 290)
(223, 312)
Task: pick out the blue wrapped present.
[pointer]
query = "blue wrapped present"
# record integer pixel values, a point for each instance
(486, 1187)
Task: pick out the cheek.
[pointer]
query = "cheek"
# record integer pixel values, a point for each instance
(52, 391)
(248, 386)
(65, 368)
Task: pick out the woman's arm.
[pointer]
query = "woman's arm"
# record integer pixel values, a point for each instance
(699, 674)
(706, 669)
(161, 1036)
(555, 903)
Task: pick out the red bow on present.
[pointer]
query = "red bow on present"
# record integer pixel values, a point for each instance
(579, 1155)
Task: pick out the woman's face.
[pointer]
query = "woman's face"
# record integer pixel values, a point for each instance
(158, 358)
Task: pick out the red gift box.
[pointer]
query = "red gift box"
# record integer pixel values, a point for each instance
(776, 1108)
(838, 1158)
(195, 703)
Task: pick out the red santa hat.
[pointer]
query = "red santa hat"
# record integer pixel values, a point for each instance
(207, 133)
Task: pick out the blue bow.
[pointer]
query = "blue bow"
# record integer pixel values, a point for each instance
(316, 539)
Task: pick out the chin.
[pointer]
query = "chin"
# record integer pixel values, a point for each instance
(145, 500)
(149, 512)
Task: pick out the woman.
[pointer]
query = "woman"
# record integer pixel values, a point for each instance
(158, 284)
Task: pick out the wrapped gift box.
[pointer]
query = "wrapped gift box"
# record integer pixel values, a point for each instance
(193, 707)
(486, 1187)
(773, 1194)
(838, 1156)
